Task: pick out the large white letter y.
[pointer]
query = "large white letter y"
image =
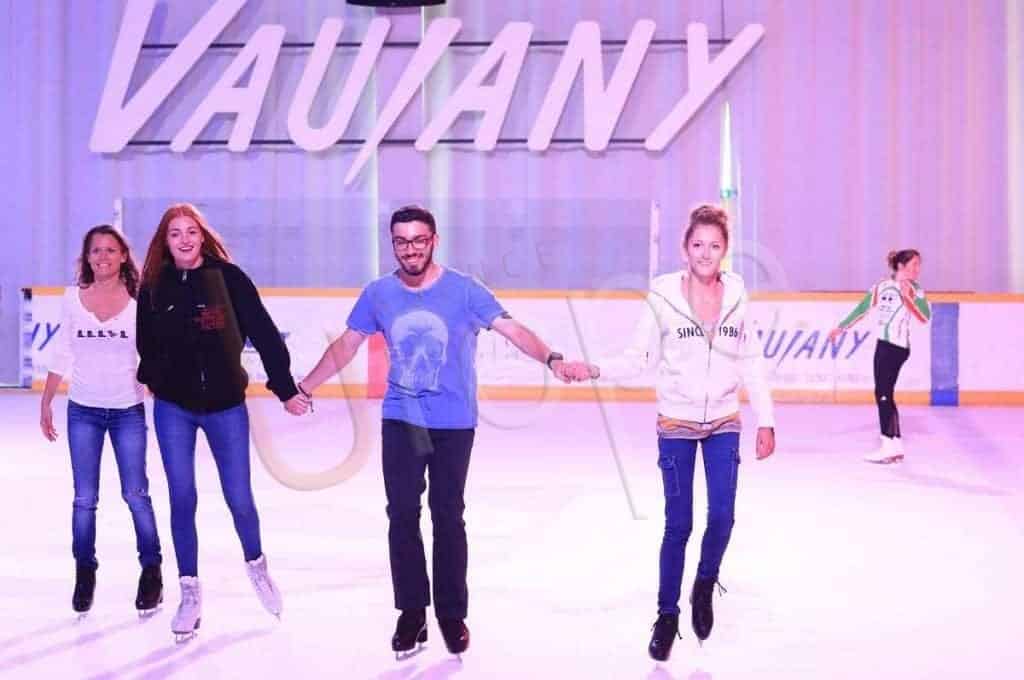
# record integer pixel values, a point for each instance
(705, 77)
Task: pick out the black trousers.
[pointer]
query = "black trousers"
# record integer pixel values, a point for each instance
(889, 359)
(409, 452)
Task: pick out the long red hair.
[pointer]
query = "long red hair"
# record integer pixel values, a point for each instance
(159, 255)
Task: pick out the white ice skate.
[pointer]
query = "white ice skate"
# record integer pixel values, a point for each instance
(186, 621)
(890, 451)
(264, 586)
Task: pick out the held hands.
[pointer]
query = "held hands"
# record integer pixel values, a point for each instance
(300, 403)
(46, 422)
(574, 371)
(765, 442)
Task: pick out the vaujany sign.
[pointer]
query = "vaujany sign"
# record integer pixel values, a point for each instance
(487, 89)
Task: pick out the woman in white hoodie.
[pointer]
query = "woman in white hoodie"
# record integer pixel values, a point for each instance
(695, 332)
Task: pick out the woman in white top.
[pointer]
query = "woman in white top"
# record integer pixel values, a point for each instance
(695, 332)
(96, 353)
(897, 302)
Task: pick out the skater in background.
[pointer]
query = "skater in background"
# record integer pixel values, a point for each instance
(694, 330)
(96, 352)
(430, 317)
(897, 301)
(196, 310)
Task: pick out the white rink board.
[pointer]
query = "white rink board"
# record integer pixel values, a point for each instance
(990, 347)
(792, 335)
(307, 324)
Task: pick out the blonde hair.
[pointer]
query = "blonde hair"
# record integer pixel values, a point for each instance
(711, 215)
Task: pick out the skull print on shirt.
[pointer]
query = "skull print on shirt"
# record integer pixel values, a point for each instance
(419, 349)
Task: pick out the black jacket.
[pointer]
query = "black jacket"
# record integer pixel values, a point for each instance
(191, 334)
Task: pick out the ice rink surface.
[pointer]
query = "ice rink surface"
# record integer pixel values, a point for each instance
(837, 568)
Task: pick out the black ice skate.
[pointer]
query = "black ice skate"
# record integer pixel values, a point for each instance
(455, 634)
(666, 630)
(151, 591)
(85, 587)
(410, 632)
(703, 617)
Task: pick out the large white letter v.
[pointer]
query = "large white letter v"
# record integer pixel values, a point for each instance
(117, 121)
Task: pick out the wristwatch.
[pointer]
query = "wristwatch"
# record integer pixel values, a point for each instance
(554, 356)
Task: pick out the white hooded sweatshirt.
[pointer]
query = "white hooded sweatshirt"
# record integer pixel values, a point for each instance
(697, 381)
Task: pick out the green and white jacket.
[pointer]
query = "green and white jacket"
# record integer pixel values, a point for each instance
(893, 313)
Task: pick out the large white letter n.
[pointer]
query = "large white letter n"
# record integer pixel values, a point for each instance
(117, 121)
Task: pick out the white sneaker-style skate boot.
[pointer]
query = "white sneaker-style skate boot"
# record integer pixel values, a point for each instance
(186, 621)
(897, 449)
(890, 451)
(264, 586)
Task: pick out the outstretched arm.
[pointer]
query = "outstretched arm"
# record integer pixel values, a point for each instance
(858, 313)
(532, 346)
(336, 357)
(643, 348)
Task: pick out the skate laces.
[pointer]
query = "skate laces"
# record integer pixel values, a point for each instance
(260, 577)
(411, 619)
(151, 576)
(189, 595)
(665, 625)
(704, 591)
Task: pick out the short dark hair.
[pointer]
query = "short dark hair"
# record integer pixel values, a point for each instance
(413, 213)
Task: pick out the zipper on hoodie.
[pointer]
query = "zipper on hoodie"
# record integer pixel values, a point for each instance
(707, 393)
(700, 326)
(202, 365)
(707, 376)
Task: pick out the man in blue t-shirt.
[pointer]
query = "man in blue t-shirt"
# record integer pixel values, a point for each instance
(430, 317)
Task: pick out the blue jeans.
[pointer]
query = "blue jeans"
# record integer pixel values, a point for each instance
(87, 427)
(227, 432)
(721, 465)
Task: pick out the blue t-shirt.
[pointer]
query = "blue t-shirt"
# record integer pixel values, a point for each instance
(431, 337)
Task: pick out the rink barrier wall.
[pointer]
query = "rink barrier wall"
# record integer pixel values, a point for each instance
(966, 355)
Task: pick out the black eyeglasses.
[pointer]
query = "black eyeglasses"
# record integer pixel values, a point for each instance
(418, 243)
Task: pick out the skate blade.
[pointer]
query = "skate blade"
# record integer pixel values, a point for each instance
(80, 617)
(146, 614)
(410, 653)
(898, 458)
(182, 636)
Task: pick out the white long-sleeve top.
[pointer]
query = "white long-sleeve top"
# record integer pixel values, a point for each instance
(97, 358)
(697, 381)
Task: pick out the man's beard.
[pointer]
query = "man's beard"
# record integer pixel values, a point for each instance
(417, 267)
